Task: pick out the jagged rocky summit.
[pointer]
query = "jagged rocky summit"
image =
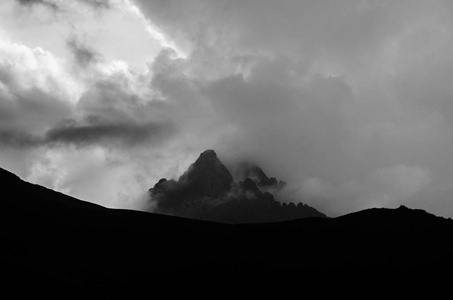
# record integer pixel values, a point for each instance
(207, 191)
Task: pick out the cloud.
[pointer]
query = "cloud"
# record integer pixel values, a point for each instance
(24, 68)
(45, 3)
(45, 101)
(56, 5)
(68, 121)
(82, 54)
(98, 3)
(326, 95)
(332, 97)
(18, 139)
(387, 187)
(92, 174)
(297, 28)
(93, 133)
(98, 132)
(383, 187)
(37, 111)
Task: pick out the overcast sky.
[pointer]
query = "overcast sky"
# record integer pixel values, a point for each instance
(349, 101)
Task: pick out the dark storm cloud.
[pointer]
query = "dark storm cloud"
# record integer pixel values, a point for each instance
(97, 4)
(98, 132)
(17, 139)
(93, 132)
(39, 2)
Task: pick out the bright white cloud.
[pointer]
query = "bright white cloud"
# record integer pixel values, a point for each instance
(114, 32)
(153, 31)
(72, 120)
(28, 68)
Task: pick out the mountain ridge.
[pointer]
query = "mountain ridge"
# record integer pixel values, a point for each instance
(54, 241)
(207, 191)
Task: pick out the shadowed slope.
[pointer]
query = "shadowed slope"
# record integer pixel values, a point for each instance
(52, 241)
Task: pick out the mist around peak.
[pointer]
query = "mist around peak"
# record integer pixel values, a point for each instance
(208, 191)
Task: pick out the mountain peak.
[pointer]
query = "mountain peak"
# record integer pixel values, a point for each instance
(207, 176)
(208, 155)
(402, 207)
(249, 185)
(207, 191)
(254, 172)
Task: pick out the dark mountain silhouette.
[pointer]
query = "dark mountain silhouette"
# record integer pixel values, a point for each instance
(52, 242)
(252, 171)
(206, 191)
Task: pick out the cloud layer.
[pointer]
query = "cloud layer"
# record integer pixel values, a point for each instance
(347, 101)
(347, 98)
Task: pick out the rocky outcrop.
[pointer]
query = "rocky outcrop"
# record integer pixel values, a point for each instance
(254, 172)
(207, 177)
(207, 191)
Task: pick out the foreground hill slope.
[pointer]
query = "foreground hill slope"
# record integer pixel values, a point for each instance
(50, 239)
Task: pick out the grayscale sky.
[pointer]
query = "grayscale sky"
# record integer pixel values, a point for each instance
(349, 101)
